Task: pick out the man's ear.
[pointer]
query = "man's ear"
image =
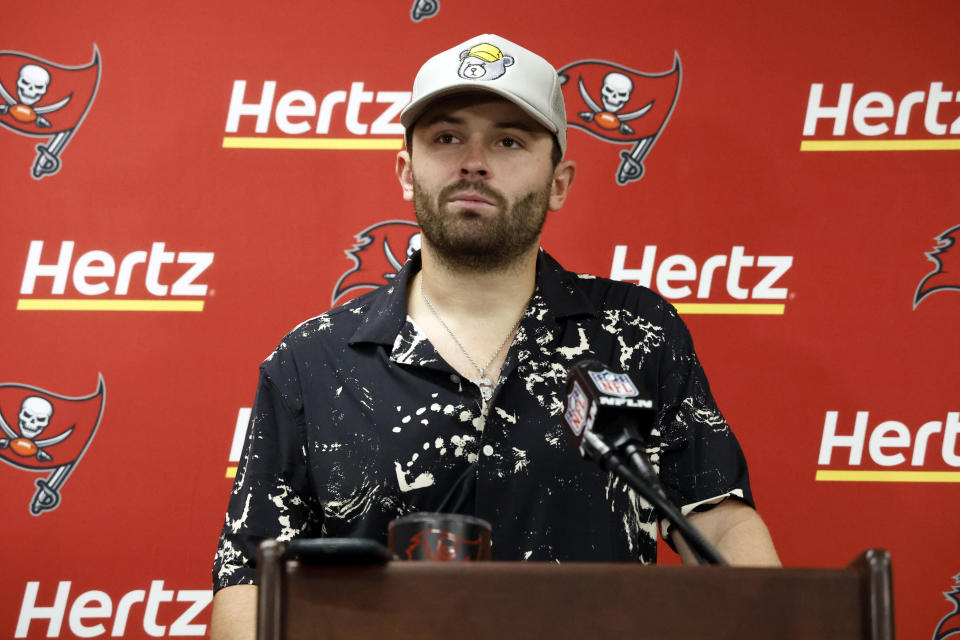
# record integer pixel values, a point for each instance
(562, 181)
(405, 175)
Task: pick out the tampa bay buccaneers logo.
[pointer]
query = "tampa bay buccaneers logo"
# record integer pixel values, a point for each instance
(621, 106)
(42, 99)
(946, 275)
(422, 9)
(437, 545)
(378, 255)
(949, 626)
(43, 431)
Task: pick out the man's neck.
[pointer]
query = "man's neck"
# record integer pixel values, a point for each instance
(471, 316)
(472, 293)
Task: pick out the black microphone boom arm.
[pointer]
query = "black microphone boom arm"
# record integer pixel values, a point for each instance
(643, 479)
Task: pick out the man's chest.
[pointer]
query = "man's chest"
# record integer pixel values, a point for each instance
(396, 430)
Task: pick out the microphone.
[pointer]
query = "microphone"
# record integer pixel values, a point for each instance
(610, 418)
(609, 404)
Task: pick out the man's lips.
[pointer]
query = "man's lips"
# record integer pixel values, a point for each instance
(470, 199)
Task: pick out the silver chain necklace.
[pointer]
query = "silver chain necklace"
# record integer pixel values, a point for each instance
(482, 381)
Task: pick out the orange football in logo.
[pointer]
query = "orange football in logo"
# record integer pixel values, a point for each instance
(23, 447)
(23, 113)
(607, 120)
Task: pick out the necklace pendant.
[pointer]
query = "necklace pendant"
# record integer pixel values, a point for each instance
(486, 387)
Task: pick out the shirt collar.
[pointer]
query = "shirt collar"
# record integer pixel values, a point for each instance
(560, 289)
(387, 313)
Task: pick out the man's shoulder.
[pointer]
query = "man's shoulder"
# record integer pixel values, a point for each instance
(613, 295)
(598, 289)
(331, 330)
(339, 322)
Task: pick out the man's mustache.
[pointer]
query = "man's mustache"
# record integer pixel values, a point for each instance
(476, 187)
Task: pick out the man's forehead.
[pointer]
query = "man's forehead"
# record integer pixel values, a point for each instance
(461, 106)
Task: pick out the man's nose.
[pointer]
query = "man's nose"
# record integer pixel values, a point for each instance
(474, 162)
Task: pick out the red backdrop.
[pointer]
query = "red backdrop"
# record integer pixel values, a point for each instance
(170, 236)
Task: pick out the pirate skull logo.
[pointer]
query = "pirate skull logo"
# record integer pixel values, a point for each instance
(614, 95)
(34, 417)
(413, 245)
(33, 82)
(616, 91)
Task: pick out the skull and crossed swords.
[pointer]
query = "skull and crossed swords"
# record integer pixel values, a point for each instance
(614, 94)
(34, 417)
(32, 84)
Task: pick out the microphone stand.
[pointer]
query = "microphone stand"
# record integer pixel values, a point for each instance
(643, 479)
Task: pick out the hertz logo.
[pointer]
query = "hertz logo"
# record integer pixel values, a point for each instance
(95, 613)
(748, 282)
(298, 112)
(166, 276)
(904, 454)
(239, 437)
(875, 113)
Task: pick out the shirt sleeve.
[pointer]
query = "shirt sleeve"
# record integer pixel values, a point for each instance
(271, 497)
(700, 461)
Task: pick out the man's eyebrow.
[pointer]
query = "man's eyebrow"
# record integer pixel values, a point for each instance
(443, 118)
(518, 124)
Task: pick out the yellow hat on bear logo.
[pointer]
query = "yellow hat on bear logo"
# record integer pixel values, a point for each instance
(486, 51)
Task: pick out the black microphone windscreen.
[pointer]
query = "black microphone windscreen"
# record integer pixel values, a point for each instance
(605, 401)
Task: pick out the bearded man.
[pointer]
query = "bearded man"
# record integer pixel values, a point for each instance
(443, 391)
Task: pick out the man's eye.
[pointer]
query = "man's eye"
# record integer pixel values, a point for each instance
(510, 143)
(446, 138)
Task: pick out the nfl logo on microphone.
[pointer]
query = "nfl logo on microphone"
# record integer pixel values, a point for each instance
(576, 413)
(615, 384)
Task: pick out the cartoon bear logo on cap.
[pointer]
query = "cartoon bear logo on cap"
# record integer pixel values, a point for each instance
(483, 62)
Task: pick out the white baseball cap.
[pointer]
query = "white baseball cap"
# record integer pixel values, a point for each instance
(491, 63)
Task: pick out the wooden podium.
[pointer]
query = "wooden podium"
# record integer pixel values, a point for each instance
(493, 600)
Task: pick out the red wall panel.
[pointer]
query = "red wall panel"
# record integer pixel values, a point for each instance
(254, 240)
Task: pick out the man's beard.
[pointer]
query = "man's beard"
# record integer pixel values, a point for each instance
(464, 239)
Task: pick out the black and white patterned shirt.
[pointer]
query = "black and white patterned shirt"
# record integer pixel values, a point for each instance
(358, 420)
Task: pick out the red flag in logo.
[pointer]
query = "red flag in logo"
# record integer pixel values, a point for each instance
(946, 275)
(41, 98)
(379, 253)
(949, 625)
(620, 105)
(44, 430)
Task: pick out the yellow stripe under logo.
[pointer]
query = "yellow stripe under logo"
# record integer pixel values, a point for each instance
(231, 472)
(950, 144)
(834, 475)
(719, 308)
(94, 304)
(236, 142)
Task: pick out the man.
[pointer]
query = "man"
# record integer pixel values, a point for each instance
(443, 390)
